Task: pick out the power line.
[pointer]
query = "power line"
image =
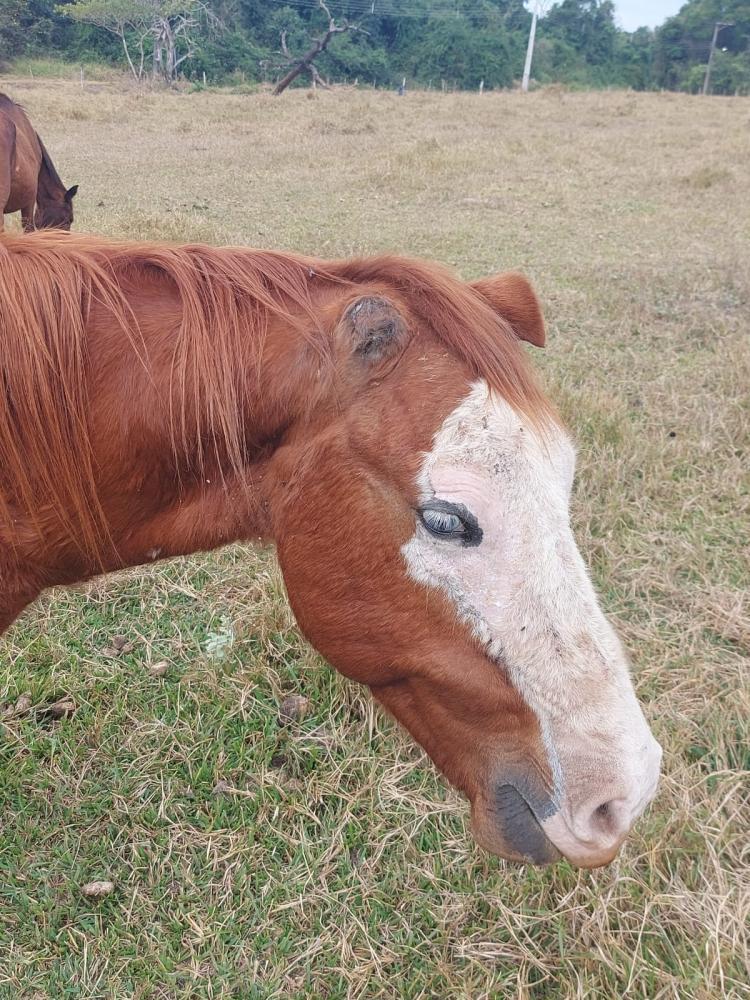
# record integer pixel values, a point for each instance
(382, 8)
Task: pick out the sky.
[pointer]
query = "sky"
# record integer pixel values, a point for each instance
(632, 14)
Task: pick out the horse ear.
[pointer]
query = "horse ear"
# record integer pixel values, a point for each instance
(71, 193)
(375, 328)
(513, 298)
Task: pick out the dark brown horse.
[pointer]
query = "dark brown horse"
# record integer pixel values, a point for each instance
(29, 183)
(379, 421)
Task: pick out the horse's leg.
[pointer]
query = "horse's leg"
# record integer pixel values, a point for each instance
(7, 141)
(27, 218)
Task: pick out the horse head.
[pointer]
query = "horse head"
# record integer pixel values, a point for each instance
(57, 212)
(421, 514)
(378, 420)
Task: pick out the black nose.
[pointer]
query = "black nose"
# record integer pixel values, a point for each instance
(519, 827)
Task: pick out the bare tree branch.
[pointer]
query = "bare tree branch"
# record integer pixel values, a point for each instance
(319, 45)
(317, 79)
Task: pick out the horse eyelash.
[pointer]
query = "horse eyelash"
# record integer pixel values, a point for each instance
(472, 532)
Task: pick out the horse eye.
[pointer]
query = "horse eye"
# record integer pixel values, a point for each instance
(442, 523)
(444, 519)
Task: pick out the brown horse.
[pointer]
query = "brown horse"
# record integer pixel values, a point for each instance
(378, 420)
(27, 175)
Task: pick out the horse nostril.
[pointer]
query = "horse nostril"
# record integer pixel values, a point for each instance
(609, 818)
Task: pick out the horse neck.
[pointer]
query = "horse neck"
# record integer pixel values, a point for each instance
(188, 396)
(49, 186)
(203, 430)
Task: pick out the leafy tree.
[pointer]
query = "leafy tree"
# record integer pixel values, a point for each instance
(588, 26)
(11, 36)
(461, 41)
(633, 59)
(683, 44)
(127, 20)
(167, 29)
(456, 52)
(31, 26)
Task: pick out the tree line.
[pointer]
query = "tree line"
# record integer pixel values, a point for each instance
(455, 44)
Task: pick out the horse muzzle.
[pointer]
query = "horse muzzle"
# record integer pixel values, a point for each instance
(521, 822)
(507, 826)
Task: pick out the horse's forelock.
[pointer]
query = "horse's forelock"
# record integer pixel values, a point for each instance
(465, 323)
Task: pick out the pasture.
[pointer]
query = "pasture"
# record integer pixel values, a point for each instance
(326, 858)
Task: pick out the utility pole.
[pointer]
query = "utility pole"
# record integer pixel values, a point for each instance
(719, 26)
(530, 50)
(539, 8)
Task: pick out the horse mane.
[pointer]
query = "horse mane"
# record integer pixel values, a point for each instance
(50, 281)
(49, 165)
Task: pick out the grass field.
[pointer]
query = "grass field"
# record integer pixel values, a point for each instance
(327, 859)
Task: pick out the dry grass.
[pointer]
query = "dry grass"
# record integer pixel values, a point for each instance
(326, 859)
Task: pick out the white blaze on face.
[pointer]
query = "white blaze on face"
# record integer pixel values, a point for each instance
(526, 594)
